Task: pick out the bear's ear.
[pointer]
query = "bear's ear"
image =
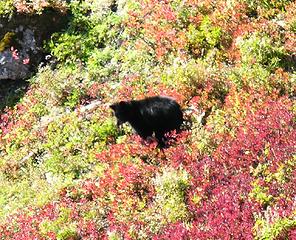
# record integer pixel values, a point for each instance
(113, 107)
(122, 103)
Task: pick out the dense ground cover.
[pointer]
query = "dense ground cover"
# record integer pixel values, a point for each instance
(67, 172)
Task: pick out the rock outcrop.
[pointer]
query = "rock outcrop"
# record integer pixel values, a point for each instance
(21, 42)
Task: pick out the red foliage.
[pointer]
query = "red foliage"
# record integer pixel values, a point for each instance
(269, 128)
(219, 199)
(20, 116)
(157, 20)
(176, 231)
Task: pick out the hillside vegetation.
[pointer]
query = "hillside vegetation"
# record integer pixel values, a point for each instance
(67, 172)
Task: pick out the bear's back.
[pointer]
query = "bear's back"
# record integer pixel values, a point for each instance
(160, 113)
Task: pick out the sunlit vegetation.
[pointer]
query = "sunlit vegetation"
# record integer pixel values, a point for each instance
(67, 171)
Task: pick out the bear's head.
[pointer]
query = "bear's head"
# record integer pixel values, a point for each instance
(121, 111)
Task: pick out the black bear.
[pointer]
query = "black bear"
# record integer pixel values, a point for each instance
(157, 115)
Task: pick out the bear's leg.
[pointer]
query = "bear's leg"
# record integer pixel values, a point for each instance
(160, 139)
(144, 133)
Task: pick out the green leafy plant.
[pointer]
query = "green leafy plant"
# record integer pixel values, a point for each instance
(170, 188)
(67, 143)
(257, 49)
(278, 228)
(89, 40)
(60, 226)
(204, 38)
(6, 8)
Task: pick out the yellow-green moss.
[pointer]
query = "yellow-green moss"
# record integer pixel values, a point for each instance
(6, 40)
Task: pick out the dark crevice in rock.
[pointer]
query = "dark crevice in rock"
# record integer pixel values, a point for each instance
(21, 50)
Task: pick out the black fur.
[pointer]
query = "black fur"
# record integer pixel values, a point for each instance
(157, 115)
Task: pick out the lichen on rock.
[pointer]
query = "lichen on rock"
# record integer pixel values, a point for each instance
(6, 41)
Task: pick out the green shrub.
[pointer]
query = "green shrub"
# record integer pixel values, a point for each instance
(255, 76)
(102, 63)
(257, 49)
(293, 26)
(68, 143)
(91, 40)
(6, 7)
(275, 230)
(267, 4)
(61, 226)
(183, 73)
(261, 194)
(259, 78)
(204, 38)
(170, 188)
(63, 86)
(29, 189)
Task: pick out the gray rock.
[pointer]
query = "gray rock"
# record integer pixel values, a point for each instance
(20, 58)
